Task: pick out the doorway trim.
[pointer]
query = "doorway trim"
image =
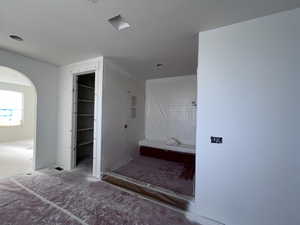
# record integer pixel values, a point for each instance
(72, 71)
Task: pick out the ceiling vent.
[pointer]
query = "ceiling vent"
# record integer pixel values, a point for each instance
(159, 65)
(94, 1)
(119, 23)
(16, 37)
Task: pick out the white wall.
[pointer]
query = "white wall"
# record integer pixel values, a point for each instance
(11, 76)
(26, 130)
(248, 92)
(119, 145)
(169, 109)
(44, 78)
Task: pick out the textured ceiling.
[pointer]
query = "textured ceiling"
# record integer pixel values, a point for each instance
(162, 31)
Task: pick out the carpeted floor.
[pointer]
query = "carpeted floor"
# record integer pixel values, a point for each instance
(16, 158)
(19, 207)
(70, 198)
(162, 173)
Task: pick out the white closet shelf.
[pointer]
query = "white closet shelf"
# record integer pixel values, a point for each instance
(85, 143)
(86, 86)
(85, 129)
(85, 115)
(85, 100)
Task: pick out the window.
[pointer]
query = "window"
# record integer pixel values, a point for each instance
(11, 108)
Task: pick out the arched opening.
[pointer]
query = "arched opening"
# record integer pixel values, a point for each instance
(18, 101)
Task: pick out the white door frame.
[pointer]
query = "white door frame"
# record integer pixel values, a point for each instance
(85, 67)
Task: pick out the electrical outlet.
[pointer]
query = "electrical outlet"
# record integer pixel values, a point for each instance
(216, 140)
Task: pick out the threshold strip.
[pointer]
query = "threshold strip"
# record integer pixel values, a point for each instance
(49, 202)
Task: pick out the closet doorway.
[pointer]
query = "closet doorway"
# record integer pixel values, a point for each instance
(83, 122)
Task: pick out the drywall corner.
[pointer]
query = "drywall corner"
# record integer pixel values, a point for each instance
(194, 215)
(120, 143)
(247, 94)
(44, 77)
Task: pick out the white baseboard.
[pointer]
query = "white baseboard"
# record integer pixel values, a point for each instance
(194, 215)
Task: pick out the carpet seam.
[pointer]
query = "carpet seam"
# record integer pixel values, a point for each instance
(52, 204)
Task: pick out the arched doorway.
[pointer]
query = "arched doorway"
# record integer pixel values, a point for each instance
(18, 100)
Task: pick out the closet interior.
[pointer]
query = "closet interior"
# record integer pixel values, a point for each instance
(84, 121)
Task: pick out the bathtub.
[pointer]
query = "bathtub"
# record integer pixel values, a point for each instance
(190, 149)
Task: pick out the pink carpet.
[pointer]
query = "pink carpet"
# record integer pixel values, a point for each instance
(91, 202)
(162, 173)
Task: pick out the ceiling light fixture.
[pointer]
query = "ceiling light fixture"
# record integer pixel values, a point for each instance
(119, 23)
(16, 37)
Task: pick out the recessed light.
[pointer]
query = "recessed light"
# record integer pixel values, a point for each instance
(119, 23)
(16, 37)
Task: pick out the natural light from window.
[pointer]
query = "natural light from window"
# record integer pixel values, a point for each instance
(11, 108)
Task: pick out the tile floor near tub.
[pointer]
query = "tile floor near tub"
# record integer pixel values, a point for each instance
(61, 198)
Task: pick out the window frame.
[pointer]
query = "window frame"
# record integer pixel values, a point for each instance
(22, 110)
